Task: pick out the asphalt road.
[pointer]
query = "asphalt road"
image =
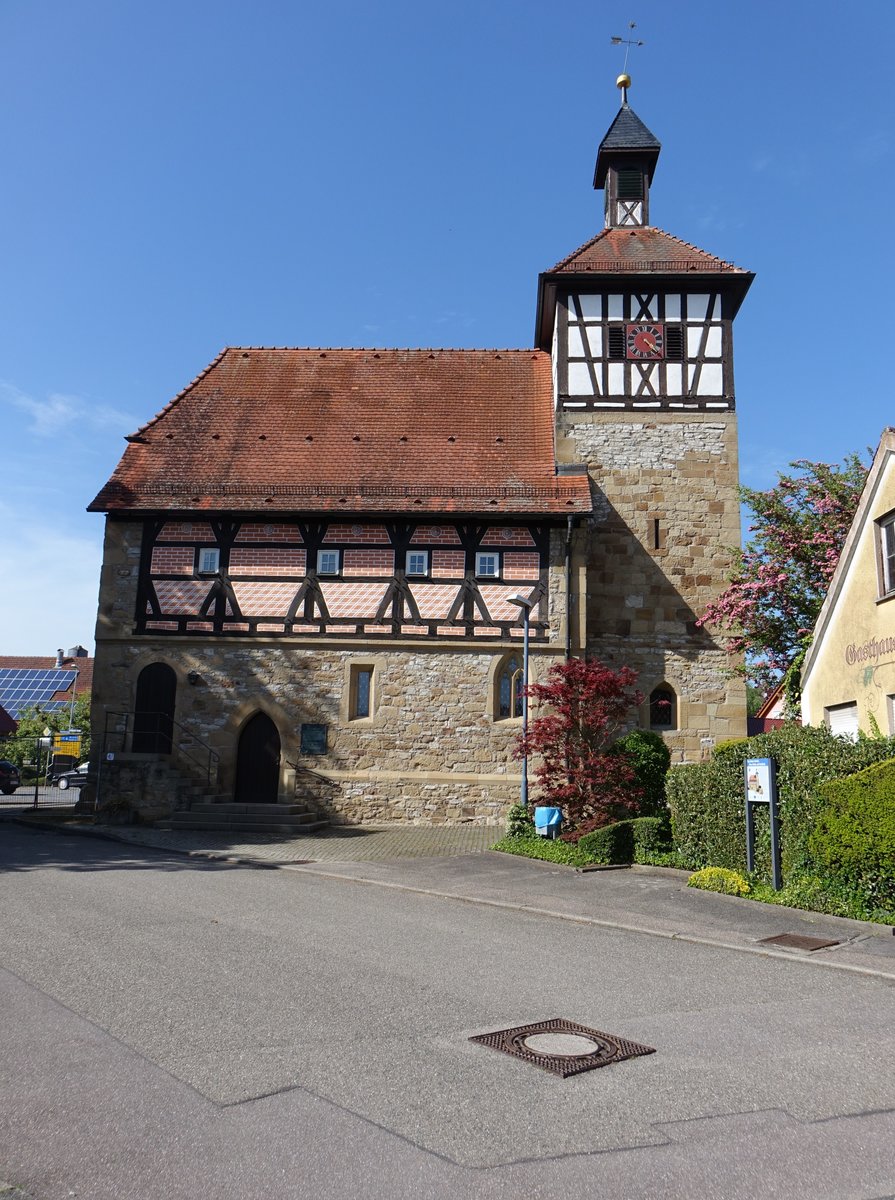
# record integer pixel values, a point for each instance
(174, 1028)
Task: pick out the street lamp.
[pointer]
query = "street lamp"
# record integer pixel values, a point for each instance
(71, 711)
(525, 604)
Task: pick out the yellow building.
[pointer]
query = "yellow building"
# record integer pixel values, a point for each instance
(848, 680)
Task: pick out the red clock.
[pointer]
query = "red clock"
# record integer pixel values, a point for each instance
(645, 341)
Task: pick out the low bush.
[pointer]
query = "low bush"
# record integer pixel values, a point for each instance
(534, 846)
(719, 879)
(640, 840)
(609, 844)
(519, 822)
(650, 757)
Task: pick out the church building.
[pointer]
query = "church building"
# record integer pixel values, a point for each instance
(318, 561)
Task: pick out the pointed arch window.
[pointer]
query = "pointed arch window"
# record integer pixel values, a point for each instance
(509, 689)
(663, 707)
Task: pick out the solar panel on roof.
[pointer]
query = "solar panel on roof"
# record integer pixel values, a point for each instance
(22, 688)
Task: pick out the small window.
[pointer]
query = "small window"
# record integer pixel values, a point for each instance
(361, 702)
(417, 562)
(327, 562)
(887, 554)
(209, 560)
(663, 708)
(487, 565)
(509, 690)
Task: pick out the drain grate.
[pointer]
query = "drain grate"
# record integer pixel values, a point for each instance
(562, 1047)
(798, 941)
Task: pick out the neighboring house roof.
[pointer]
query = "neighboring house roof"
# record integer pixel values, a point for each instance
(641, 248)
(28, 679)
(339, 430)
(7, 724)
(774, 704)
(874, 479)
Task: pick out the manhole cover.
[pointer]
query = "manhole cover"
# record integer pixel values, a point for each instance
(798, 941)
(562, 1047)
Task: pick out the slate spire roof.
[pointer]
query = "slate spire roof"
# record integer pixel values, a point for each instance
(628, 132)
(627, 138)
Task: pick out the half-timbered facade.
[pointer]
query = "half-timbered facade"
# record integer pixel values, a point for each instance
(315, 557)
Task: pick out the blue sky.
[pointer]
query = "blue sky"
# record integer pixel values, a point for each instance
(184, 176)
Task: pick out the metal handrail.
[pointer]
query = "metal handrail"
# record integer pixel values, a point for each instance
(207, 763)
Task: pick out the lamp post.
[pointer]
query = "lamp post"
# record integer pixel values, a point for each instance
(525, 605)
(71, 710)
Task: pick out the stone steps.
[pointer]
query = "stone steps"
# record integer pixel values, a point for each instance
(297, 827)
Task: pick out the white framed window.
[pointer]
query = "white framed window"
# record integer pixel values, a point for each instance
(886, 529)
(209, 560)
(487, 564)
(842, 720)
(328, 562)
(417, 562)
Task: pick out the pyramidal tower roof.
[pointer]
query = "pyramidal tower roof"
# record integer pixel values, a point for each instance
(626, 135)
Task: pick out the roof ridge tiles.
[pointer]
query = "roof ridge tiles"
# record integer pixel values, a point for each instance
(649, 229)
(374, 350)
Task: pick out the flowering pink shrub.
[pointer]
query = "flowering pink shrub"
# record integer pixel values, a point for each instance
(780, 579)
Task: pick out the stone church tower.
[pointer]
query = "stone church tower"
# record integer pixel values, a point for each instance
(640, 328)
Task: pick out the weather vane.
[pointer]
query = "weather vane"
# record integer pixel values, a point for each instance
(624, 80)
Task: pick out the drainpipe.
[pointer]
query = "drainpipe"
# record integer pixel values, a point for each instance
(570, 521)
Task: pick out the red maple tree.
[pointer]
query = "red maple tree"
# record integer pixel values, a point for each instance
(589, 705)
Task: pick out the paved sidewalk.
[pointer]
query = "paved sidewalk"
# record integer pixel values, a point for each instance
(356, 843)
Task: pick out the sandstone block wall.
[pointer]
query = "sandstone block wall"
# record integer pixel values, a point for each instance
(666, 512)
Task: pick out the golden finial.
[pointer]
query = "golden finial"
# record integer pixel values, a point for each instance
(623, 81)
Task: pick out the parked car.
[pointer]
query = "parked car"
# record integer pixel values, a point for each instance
(9, 777)
(76, 778)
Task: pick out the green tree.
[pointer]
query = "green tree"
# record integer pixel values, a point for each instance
(22, 746)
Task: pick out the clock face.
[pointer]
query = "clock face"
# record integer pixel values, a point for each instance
(645, 341)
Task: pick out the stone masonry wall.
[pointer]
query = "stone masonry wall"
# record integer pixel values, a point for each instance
(666, 509)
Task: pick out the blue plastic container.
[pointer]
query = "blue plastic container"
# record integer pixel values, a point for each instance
(547, 821)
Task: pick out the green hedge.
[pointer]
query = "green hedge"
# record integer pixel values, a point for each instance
(707, 799)
(854, 833)
(650, 757)
(627, 841)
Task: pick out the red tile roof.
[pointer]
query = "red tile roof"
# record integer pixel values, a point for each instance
(643, 248)
(411, 431)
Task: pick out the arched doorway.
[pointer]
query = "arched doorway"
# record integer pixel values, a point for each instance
(154, 710)
(258, 762)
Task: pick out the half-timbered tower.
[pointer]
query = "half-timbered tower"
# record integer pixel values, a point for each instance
(312, 554)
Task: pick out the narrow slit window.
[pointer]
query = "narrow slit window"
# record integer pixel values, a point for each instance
(509, 690)
(361, 692)
(663, 708)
